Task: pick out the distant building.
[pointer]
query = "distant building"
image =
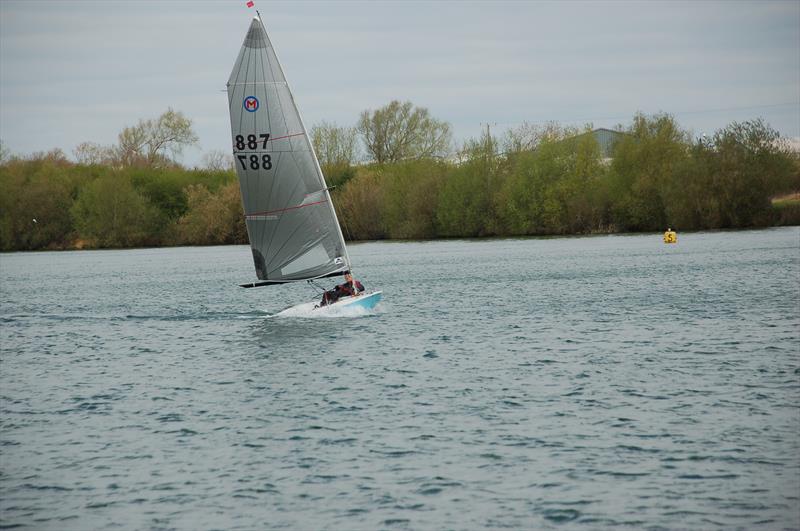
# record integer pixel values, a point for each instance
(606, 139)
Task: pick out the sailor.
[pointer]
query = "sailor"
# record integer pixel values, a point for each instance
(346, 289)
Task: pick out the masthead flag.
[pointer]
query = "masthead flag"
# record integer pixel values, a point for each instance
(250, 3)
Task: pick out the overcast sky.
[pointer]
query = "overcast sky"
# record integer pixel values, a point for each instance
(81, 71)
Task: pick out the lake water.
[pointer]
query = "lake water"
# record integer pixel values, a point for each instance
(572, 383)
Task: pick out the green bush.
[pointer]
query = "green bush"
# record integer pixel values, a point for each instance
(551, 181)
(212, 218)
(109, 212)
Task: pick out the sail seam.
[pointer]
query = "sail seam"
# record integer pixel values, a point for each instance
(252, 57)
(280, 219)
(278, 163)
(278, 224)
(266, 62)
(260, 60)
(272, 71)
(316, 242)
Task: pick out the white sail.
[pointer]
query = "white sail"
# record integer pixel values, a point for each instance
(291, 223)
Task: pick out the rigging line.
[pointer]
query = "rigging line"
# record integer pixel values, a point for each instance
(318, 171)
(349, 235)
(236, 82)
(314, 284)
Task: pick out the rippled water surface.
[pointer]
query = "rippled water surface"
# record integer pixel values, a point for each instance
(586, 383)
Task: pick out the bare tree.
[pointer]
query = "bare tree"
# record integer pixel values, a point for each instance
(88, 153)
(217, 160)
(335, 145)
(528, 136)
(150, 141)
(401, 131)
(55, 156)
(130, 146)
(5, 154)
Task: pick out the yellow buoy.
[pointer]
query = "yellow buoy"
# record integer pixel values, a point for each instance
(670, 236)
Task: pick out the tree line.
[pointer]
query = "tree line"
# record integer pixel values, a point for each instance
(396, 175)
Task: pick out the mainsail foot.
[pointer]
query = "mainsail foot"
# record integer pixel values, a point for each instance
(276, 282)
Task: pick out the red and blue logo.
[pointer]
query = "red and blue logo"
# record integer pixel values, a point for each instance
(250, 104)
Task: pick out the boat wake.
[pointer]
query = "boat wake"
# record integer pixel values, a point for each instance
(307, 311)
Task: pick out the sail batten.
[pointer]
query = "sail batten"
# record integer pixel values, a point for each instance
(291, 224)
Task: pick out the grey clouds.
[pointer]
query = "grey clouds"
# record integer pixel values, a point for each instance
(80, 71)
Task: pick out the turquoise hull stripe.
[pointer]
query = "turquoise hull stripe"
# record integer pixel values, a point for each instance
(367, 302)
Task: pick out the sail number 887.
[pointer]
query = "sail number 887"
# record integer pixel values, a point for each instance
(255, 162)
(252, 141)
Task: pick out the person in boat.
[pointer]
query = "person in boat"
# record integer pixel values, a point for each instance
(349, 287)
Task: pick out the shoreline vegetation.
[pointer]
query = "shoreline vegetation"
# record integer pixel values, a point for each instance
(395, 175)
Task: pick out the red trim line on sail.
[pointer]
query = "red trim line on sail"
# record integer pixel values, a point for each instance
(272, 140)
(283, 209)
(287, 136)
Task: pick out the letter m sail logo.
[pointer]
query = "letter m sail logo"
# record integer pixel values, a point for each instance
(250, 104)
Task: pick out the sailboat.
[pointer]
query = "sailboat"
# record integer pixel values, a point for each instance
(291, 223)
